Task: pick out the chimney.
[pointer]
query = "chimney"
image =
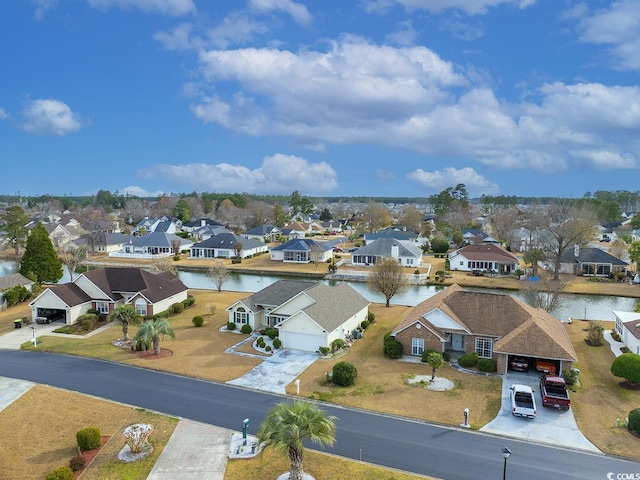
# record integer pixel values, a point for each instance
(395, 251)
(576, 250)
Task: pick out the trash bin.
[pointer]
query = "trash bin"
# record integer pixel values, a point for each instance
(17, 323)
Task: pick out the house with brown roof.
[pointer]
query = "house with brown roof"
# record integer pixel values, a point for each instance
(308, 315)
(495, 326)
(484, 257)
(106, 288)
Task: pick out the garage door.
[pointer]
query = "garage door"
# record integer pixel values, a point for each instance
(301, 341)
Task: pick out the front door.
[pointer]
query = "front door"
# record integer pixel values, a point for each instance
(457, 342)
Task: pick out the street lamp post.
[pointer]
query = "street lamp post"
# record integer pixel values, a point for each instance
(505, 453)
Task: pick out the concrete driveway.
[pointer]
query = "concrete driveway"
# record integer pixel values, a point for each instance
(276, 371)
(18, 336)
(551, 426)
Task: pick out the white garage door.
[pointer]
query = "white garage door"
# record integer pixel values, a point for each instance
(301, 341)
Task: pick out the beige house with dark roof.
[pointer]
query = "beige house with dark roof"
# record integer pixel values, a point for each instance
(308, 315)
(104, 289)
(494, 326)
(483, 257)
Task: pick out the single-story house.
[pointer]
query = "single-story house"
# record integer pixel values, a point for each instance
(12, 280)
(308, 315)
(102, 242)
(487, 257)
(590, 261)
(496, 326)
(408, 254)
(106, 288)
(303, 250)
(155, 244)
(295, 230)
(194, 225)
(162, 224)
(628, 327)
(265, 233)
(227, 245)
(474, 236)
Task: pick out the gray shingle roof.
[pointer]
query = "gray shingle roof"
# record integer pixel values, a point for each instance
(276, 294)
(334, 305)
(13, 280)
(228, 241)
(382, 248)
(590, 255)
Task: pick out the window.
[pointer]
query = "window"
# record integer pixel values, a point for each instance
(417, 346)
(102, 307)
(141, 307)
(241, 316)
(484, 347)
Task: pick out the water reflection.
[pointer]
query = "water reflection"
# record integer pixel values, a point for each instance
(598, 307)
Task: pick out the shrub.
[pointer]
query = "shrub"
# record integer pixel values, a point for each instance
(189, 301)
(337, 344)
(61, 473)
(94, 311)
(364, 324)
(178, 307)
(169, 311)
(615, 335)
(236, 260)
(627, 366)
(595, 334)
(468, 360)
(324, 350)
(88, 438)
(260, 342)
(344, 374)
(487, 365)
(77, 463)
(198, 320)
(231, 326)
(271, 333)
(140, 345)
(87, 323)
(425, 355)
(571, 376)
(634, 420)
(391, 347)
(268, 348)
(246, 328)
(371, 317)
(277, 343)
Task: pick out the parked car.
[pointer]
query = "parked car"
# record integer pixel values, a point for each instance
(523, 403)
(554, 392)
(337, 250)
(546, 366)
(519, 364)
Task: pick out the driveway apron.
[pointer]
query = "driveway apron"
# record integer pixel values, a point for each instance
(550, 426)
(276, 371)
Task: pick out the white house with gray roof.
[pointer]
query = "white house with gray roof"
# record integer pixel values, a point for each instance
(227, 245)
(407, 253)
(308, 315)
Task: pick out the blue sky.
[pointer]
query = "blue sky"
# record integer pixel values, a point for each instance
(331, 97)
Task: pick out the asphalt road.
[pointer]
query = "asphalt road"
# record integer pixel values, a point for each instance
(405, 444)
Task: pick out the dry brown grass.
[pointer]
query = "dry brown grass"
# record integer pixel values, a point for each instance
(197, 352)
(601, 399)
(270, 465)
(381, 384)
(39, 433)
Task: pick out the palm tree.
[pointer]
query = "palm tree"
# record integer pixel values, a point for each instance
(289, 424)
(152, 331)
(127, 315)
(435, 361)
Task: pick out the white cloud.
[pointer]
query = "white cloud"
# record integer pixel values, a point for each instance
(164, 7)
(278, 174)
(237, 28)
(410, 98)
(3, 114)
(297, 11)
(179, 38)
(405, 35)
(41, 7)
(438, 180)
(50, 117)
(616, 26)
(136, 191)
(470, 7)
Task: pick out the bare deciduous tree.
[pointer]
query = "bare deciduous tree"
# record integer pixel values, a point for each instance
(315, 253)
(164, 264)
(72, 258)
(503, 223)
(545, 292)
(410, 218)
(219, 273)
(387, 278)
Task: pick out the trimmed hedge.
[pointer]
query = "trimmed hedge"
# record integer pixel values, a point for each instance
(61, 473)
(344, 374)
(634, 420)
(487, 365)
(246, 328)
(231, 326)
(391, 347)
(178, 307)
(88, 438)
(198, 320)
(277, 343)
(468, 360)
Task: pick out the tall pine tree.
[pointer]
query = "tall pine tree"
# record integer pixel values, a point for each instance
(40, 261)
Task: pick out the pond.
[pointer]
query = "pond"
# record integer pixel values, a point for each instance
(596, 307)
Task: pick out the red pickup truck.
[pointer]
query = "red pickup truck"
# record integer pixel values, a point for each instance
(554, 392)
